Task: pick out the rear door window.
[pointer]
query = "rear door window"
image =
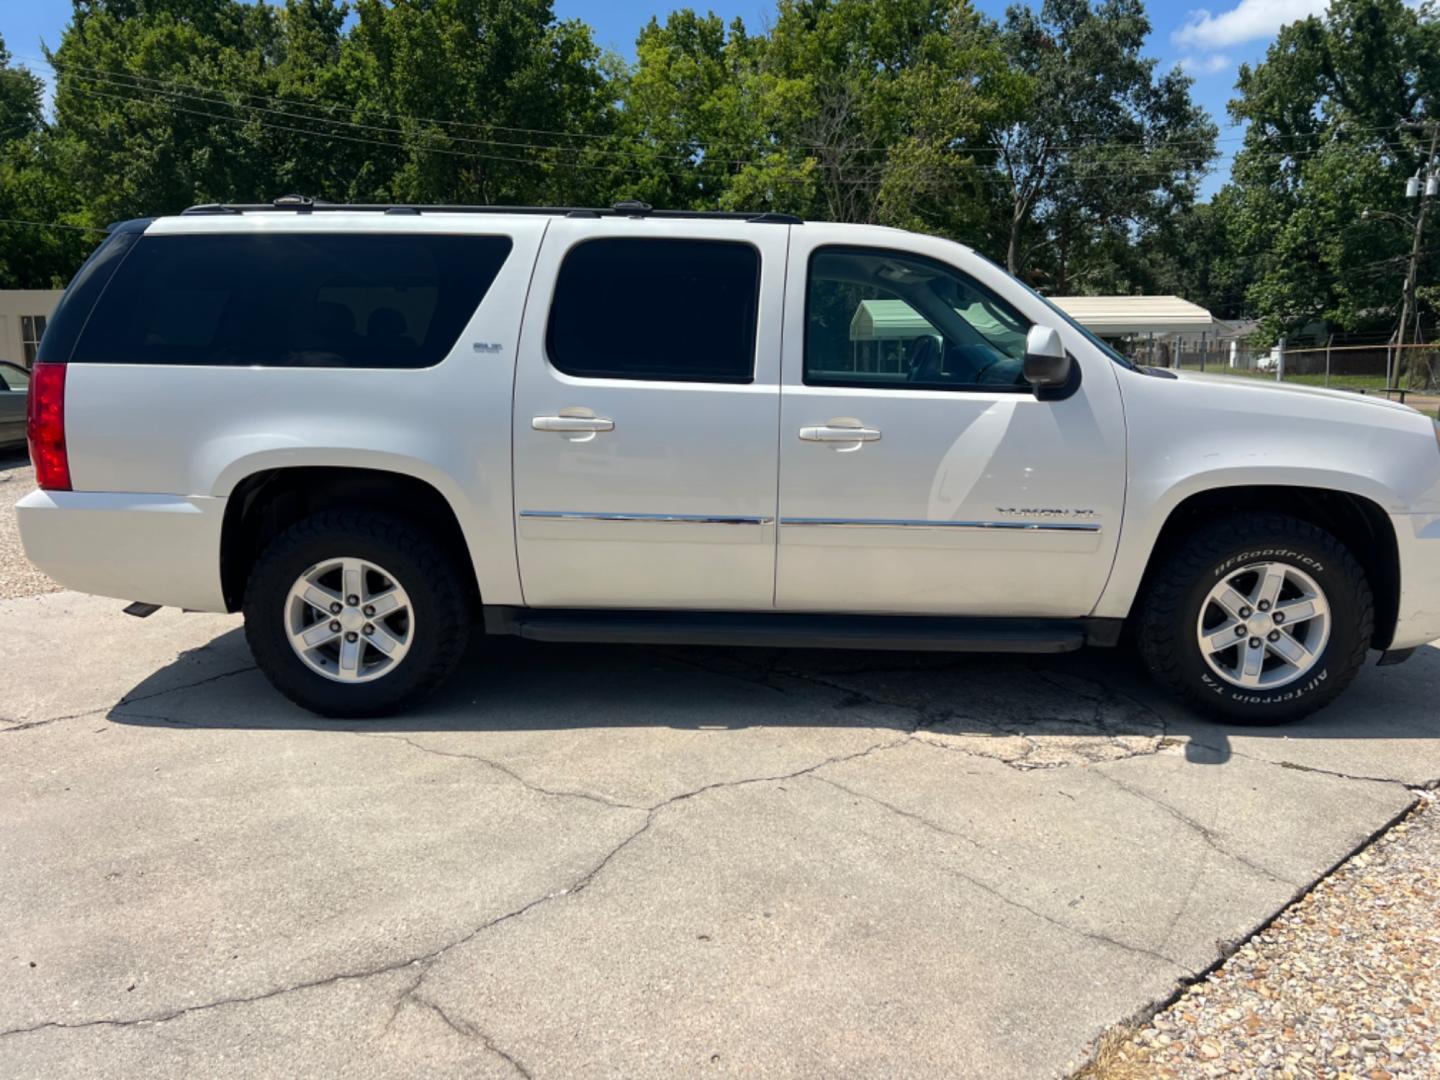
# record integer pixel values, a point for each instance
(669, 310)
(292, 300)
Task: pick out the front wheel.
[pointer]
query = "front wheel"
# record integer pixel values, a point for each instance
(1258, 618)
(351, 613)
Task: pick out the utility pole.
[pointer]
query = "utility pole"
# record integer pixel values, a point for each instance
(1414, 190)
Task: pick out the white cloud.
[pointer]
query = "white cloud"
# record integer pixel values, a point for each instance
(1206, 65)
(1247, 20)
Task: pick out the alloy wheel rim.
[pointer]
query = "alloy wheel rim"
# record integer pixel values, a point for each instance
(1263, 626)
(349, 620)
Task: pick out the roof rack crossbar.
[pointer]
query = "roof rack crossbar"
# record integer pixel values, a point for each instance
(300, 204)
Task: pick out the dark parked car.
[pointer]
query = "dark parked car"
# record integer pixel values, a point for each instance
(14, 393)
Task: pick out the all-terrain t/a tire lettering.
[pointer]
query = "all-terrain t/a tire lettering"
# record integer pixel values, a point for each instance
(1257, 618)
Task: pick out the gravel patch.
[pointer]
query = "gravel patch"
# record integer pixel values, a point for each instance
(1345, 983)
(17, 576)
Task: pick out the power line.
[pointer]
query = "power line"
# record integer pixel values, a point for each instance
(52, 225)
(467, 155)
(1083, 171)
(111, 75)
(699, 152)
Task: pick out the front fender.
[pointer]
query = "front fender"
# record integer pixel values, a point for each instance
(1187, 437)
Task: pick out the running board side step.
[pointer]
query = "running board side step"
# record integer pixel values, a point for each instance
(904, 633)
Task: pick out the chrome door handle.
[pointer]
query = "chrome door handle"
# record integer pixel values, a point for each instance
(572, 424)
(825, 433)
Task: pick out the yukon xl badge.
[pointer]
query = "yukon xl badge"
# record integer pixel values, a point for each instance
(1044, 512)
(487, 346)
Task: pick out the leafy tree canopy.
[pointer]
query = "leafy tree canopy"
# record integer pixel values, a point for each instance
(1338, 113)
(1047, 139)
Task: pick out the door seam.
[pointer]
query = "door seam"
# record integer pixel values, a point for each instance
(514, 384)
(780, 416)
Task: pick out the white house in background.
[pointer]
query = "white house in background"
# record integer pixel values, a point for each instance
(23, 315)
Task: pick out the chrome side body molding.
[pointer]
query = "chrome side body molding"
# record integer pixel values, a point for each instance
(680, 519)
(828, 523)
(922, 523)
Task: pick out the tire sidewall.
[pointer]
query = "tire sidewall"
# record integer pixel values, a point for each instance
(1299, 696)
(265, 624)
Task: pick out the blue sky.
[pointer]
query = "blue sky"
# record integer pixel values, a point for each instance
(1210, 43)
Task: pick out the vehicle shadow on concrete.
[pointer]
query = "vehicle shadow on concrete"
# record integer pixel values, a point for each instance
(1030, 711)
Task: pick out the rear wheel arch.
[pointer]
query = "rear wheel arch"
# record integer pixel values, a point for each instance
(1356, 521)
(264, 504)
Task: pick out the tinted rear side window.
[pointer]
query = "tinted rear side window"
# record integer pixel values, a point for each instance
(58, 342)
(292, 300)
(675, 310)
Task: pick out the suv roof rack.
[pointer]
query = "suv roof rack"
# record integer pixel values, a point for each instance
(304, 204)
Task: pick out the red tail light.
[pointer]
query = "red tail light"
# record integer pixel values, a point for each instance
(46, 427)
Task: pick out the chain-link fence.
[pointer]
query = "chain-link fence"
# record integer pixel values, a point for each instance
(1369, 367)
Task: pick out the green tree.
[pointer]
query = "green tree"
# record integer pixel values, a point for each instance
(497, 101)
(20, 98)
(41, 242)
(1107, 149)
(873, 109)
(1329, 137)
(846, 110)
(689, 119)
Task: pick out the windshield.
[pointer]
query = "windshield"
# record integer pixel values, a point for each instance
(1108, 350)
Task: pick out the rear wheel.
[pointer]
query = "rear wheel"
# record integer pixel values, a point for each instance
(352, 613)
(1259, 619)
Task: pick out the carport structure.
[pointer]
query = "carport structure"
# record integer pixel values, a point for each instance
(1173, 320)
(1170, 319)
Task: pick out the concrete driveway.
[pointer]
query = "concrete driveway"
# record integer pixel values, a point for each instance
(638, 862)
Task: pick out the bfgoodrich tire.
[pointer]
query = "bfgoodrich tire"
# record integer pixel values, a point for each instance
(1258, 619)
(352, 613)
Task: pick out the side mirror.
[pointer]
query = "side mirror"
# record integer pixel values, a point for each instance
(1047, 364)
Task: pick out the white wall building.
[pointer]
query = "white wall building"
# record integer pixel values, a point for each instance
(23, 315)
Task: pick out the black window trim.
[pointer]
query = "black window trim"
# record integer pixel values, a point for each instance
(860, 384)
(748, 380)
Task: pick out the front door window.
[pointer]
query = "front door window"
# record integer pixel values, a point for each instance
(881, 319)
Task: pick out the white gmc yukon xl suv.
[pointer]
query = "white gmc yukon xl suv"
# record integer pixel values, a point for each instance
(373, 429)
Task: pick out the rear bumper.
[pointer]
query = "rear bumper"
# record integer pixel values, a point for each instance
(1418, 538)
(162, 549)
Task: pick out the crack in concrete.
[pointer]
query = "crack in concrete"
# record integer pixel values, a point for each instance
(468, 1030)
(1227, 949)
(27, 725)
(539, 789)
(1298, 767)
(922, 718)
(404, 996)
(919, 819)
(1204, 832)
(1097, 726)
(30, 724)
(1341, 775)
(186, 1010)
(428, 959)
(128, 700)
(996, 893)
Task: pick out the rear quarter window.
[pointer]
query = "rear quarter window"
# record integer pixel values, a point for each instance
(292, 300)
